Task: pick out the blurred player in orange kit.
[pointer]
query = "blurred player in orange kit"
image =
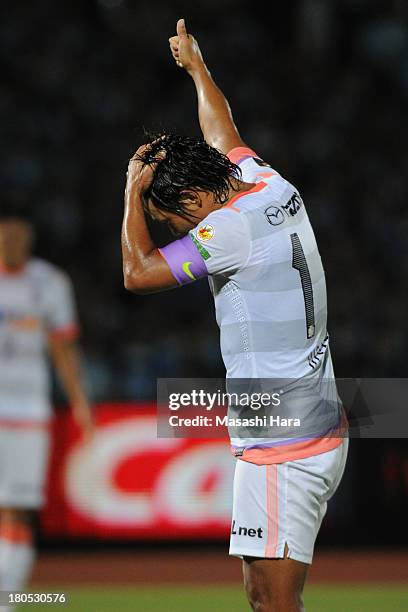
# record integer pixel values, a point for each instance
(246, 228)
(37, 314)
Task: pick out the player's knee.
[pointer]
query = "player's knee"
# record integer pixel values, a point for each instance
(257, 597)
(257, 591)
(264, 601)
(264, 597)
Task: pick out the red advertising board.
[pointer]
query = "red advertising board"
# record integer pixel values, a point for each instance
(127, 483)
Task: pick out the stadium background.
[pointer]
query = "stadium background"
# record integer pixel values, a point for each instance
(318, 88)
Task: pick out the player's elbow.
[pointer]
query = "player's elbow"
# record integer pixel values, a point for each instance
(135, 286)
(135, 281)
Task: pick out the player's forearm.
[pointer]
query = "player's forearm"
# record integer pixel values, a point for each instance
(66, 360)
(214, 113)
(137, 244)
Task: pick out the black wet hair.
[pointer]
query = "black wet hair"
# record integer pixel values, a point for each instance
(189, 165)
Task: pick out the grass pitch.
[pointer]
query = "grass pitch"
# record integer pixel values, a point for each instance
(322, 598)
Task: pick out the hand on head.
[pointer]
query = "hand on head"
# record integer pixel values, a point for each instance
(144, 162)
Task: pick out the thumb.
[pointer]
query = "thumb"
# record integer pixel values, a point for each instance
(181, 28)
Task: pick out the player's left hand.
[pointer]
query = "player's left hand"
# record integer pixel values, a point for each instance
(140, 173)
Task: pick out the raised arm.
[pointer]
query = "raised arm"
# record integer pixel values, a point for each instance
(214, 113)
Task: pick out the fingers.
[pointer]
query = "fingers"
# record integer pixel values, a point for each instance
(181, 28)
(157, 140)
(174, 48)
(174, 44)
(145, 148)
(174, 51)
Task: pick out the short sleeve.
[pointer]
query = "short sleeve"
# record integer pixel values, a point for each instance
(253, 168)
(225, 239)
(61, 317)
(220, 244)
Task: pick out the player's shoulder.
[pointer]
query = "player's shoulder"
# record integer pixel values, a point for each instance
(255, 169)
(225, 219)
(221, 229)
(47, 271)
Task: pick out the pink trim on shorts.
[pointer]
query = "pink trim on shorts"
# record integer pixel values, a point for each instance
(291, 452)
(272, 511)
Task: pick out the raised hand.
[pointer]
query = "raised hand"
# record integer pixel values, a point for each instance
(140, 172)
(185, 49)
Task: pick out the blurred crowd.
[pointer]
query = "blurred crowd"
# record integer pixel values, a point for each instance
(319, 89)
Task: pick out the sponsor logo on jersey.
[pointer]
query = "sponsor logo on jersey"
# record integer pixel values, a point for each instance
(186, 269)
(206, 232)
(294, 205)
(274, 215)
(201, 249)
(250, 532)
(20, 322)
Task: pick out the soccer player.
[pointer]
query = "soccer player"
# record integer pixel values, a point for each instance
(245, 227)
(37, 314)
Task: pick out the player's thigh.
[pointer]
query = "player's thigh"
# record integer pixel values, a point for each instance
(312, 483)
(23, 466)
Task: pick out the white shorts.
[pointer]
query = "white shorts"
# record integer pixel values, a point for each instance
(283, 504)
(23, 466)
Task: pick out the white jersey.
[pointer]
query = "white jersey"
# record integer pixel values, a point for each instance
(34, 302)
(268, 282)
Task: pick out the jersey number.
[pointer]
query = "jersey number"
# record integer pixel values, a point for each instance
(299, 263)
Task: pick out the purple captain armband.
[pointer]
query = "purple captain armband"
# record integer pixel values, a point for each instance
(184, 260)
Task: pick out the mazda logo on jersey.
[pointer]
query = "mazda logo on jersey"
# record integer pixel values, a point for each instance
(274, 215)
(250, 532)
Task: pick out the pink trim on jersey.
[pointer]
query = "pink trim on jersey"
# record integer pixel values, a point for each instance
(6, 271)
(258, 187)
(293, 451)
(272, 511)
(266, 174)
(239, 153)
(68, 332)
